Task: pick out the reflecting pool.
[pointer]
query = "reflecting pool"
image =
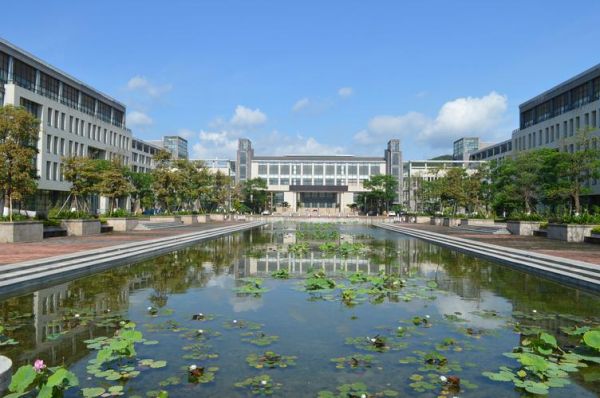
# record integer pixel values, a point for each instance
(311, 310)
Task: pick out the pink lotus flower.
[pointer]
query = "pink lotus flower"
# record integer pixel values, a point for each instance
(39, 365)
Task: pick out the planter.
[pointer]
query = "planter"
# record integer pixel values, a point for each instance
(21, 231)
(81, 227)
(477, 222)
(165, 218)
(524, 228)
(436, 220)
(451, 222)
(217, 217)
(421, 219)
(189, 219)
(569, 232)
(122, 224)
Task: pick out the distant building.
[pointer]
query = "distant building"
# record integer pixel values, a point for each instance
(178, 146)
(142, 155)
(496, 152)
(224, 166)
(417, 171)
(316, 184)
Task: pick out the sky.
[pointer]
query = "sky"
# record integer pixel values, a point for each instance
(314, 77)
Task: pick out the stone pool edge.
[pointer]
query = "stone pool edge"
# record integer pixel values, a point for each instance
(573, 272)
(27, 276)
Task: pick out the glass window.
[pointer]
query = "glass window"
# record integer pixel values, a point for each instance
(87, 104)
(284, 181)
(307, 169)
(341, 169)
(329, 169)
(118, 117)
(352, 170)
(48, 143)
(3, 67)
(48, 86)
(329, 181)
(262, 169)
(284, 169)
(318, 181)
(318, 169)
(306, 181)
(49, 117)
(273, 181)
(273, 169)
(374, 169)
(23, 74)
(364, 169)
(104, 111)
(70, 96)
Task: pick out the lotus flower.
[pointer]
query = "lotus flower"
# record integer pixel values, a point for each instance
(39, 365)
(443, 379)
(263, 382)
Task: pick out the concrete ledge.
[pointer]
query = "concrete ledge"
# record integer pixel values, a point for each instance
(477, 222)
(123, 224)
(569, 232)
(81, 227)
(165, 218)
(216, 217)
(523, 228)
(451, 222)
(32, 275)
(189, 219)
(21, 231)
(436, 220)
(572, 272)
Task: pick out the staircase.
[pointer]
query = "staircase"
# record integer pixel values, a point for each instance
(152, 225)
(476, 229)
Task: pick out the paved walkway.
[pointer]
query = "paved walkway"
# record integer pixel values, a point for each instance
(575, 251)
(16, 252)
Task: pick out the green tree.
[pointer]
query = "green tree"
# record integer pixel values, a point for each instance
(382, 191)
(19, 132)
(142, 192)
(254, 192)
(577, 167)
(84, 174)
(113, 183)
(165, 180)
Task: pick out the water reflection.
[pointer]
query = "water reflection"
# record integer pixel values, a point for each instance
(44, 324)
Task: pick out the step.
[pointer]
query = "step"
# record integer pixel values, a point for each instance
(54, 232)
(483, 229)
(105, 229)
(152, 225)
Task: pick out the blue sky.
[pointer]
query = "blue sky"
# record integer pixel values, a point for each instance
(314, 76)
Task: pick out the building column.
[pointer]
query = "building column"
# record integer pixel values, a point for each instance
(11, 69)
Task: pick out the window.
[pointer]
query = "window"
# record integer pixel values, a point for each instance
(273, 181)
(55, 146)
(352, 170)
(284, 169)
(594, 121)
(61, 172)
(24, 75)
(318, 170)
(547, 135)
(306, 181)
(273, 169)
(49, 117)
(364, 170)
(329, 181)
(48, 170)
(54, 171)
(62, 147)
(70, 148)
(318, 181)
(307, 169)
(587, 120)
(329, 169)
(55, 120)
(565, 129)
(118, 117)
(596, 88)
(571, 127)
(3, 67)
(577, 123)
(87, 104)
(48, 86)
(62, 121)
(70, 124)
(341, 169)
(284, 181)
(31, 107)
(48, 143)
(104, 111)
(70, 96)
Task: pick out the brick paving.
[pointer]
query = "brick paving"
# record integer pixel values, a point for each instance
(17, 252)
(587, 252)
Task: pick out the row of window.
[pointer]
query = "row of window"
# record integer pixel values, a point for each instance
(574, 98)
(54, 171)
(25, 75)
(144, 159)
(317, 169)
(314, 181)
(77, 126)
(553, 133)
(59, 146)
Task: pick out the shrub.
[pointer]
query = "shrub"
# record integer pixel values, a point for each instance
(15, 217)
(118, 213)
(57, 214)
(526, 217)
(584, 218)
(596, 230)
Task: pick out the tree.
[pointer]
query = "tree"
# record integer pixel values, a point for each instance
(84, 174)
(577, 167)
(19, 132)
(165, 180)
(113, 183)
(382, 191)
(142, 192)
(255, 194)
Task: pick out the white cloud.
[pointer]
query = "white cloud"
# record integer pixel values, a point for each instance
(345, 92)
(186, 133)
(140, 83)
(137, 118)
(301, 104)
(476, 116)
(246, 117)
(295, 145)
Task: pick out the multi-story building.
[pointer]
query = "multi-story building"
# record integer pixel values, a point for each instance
(142, 155)
(223, 166)
(495, 152)
(417, 171)
(463, 146)
(75, 120)
(553, 119)
(309, 183)
(178, 146)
